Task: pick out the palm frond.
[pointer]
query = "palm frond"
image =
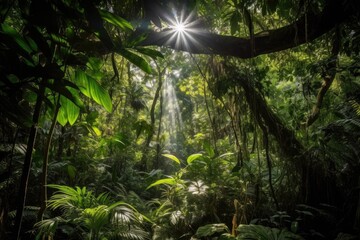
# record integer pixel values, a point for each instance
(132, 233)
(68, 198)
(259, 232)
(48, 227)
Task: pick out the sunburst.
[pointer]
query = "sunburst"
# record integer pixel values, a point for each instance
(182, 30)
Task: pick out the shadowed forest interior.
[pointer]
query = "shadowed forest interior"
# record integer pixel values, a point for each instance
(171, 119)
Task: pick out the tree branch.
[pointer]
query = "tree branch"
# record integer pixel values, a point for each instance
(201, 41)
(328, 78)
(304, 29)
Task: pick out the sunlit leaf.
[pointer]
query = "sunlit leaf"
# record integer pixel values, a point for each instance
(96, 131)
(115, 20)
(74, 97)
(72, 111)
(137, 60)
(60, 40)
(99, 94)
(169, 181)
(91, 88)
(81, 80)
(62, 117)
(193, 157)
(172, 157)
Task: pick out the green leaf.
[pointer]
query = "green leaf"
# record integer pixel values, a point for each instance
(72, 111)
(169, 181)
(135, 40)
(62, 117)
(68, 92)
(95, 64)
(74, 97)
(81, 80)
(96, 131)
(150, 52)
(91, 88)
(99, 94)
(209, 149)
(210, 229)
(71, 171)
(17, 37)
(172, 157)
(116, 20)
(193, 157)
(136, 59)
(227, 236)
(60, 40)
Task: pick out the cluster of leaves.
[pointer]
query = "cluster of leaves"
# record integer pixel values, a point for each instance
(84, 215)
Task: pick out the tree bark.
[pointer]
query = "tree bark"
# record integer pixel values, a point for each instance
(44, 174)
(27, 162)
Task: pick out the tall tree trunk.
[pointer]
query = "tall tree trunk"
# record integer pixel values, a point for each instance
(152, 118)
(153, 105)
(27, 162)
(158, 144)
(43, 195)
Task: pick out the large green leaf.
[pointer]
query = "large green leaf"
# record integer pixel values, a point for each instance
(62, 117)
(193, 157)
(99, 94)
(92, 89)
(81, 81)
(136, 59)
(211, 229)
(172, 157)
(115, 20)
(169, 181)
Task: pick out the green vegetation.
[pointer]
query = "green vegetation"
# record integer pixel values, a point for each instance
(196, 119)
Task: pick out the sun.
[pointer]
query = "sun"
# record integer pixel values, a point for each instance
(182, 29)
(179, 27)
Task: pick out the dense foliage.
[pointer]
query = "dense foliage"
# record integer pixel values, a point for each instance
(152, 119)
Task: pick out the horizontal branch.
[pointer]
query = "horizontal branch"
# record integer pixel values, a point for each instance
(305, 29)
(200, 41)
